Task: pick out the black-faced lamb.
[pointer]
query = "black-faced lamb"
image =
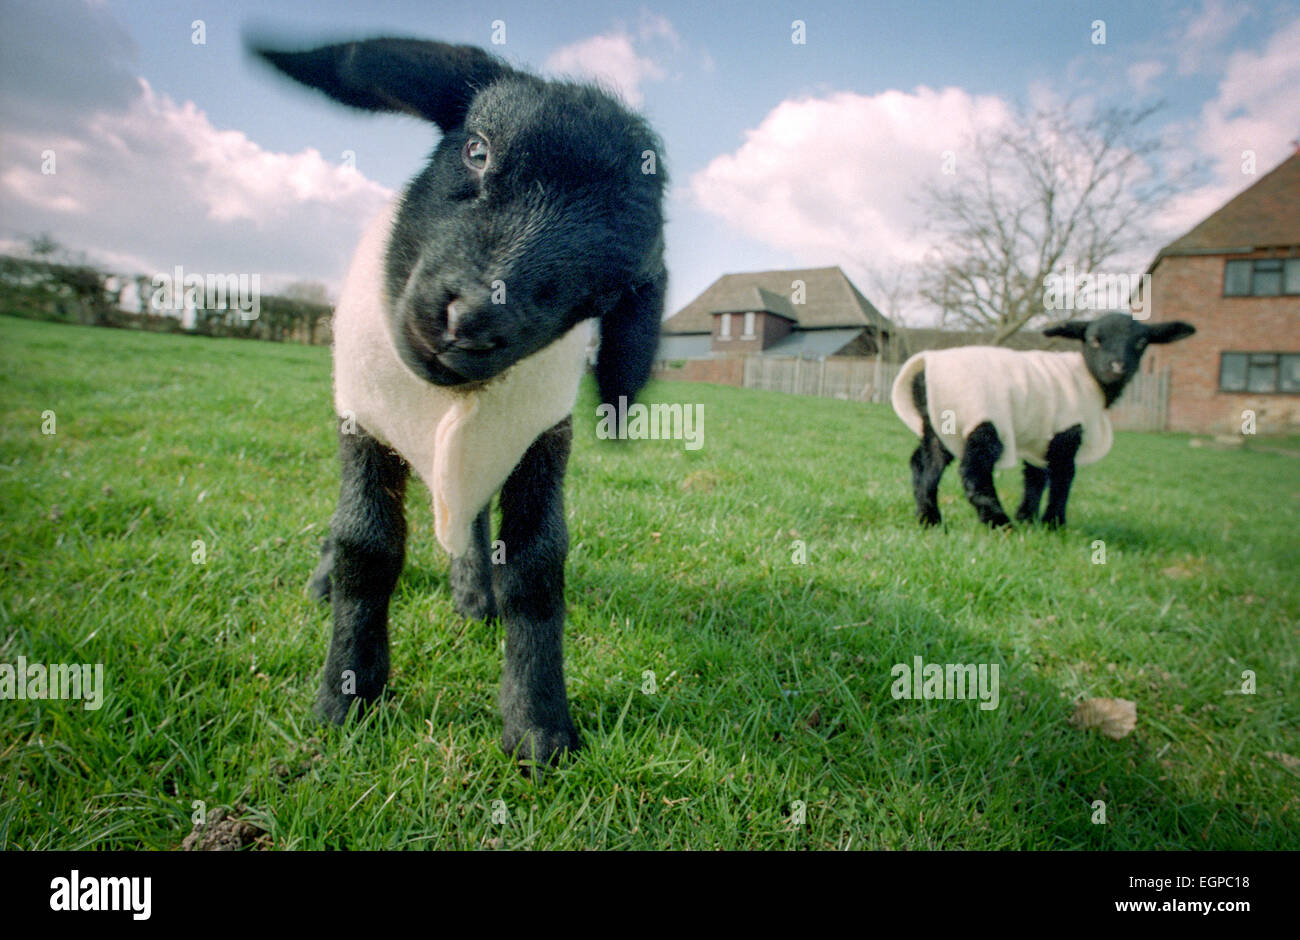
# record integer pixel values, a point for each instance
(459, 341)
(990, 407)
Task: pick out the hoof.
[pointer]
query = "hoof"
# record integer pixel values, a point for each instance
(474, 605)
(540, 747)
(332, 709)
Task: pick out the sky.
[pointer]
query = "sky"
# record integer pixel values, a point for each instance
(171, 147)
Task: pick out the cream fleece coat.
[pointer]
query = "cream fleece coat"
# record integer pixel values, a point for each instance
(1029, 397)
(462, 444)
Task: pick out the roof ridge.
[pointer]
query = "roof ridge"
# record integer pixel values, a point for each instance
(1203, 237)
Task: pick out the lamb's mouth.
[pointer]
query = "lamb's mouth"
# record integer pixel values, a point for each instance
(429, 360)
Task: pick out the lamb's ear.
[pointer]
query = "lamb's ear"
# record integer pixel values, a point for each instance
(1169, 332)
(432, 80)
(1070, 329)
(629, 337)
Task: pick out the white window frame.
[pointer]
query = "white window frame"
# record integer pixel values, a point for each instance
(749, 326)
(724, 331)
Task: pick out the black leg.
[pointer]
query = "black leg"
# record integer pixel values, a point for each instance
(929, 460)
(471, 574)
(1035, 481)
(1060, 471)
(366, 546)
(529, 590)
(982, 451)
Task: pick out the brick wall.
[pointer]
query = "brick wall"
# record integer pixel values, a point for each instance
(1191, 289)
(719, 370)
(768, 328)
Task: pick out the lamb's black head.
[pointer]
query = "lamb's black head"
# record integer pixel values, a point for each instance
(1113, 345)
(540, 207)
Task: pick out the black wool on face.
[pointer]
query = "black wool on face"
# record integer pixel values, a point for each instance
(1113, 346)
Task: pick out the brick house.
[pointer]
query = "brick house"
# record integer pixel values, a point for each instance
(1236, 277)
(810, 313)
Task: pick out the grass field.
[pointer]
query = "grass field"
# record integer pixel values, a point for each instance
(772, 678)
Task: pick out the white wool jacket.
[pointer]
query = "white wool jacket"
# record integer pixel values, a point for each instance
(462, 444)
(1029, 397)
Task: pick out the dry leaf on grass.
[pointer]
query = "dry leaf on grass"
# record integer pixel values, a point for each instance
(701, 481)
(1113, 717)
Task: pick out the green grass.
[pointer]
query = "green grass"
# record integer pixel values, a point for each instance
(773, 678)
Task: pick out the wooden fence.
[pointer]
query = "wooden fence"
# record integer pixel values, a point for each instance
(849, 378)
(1144, 405)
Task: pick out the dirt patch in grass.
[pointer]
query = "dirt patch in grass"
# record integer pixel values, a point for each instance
(225, 832)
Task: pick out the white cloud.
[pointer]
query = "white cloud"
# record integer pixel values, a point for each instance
(656, 26)
(1257, 107)
(158, 183)
(833, 180)
(1142, 74)
(1256, 110)
(142, 183)
(611, 58)
(1206, 32)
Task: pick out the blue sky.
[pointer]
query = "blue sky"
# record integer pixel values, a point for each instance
(781, 155)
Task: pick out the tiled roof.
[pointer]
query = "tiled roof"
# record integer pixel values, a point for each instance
(1265, 215)
(830, 300)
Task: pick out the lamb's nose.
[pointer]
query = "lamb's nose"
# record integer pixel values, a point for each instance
(466, 331)
(455, 310)
(1117, 367)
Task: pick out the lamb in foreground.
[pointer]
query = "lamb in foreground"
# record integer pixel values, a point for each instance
(990, 407)
(459, 342)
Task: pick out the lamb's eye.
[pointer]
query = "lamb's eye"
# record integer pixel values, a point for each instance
(1095, 342)
(476, 154)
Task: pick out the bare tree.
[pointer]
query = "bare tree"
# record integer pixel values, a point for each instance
(1052, 190)
(894, 289)
(43, 246)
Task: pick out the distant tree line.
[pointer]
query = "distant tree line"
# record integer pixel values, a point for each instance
(52, 284)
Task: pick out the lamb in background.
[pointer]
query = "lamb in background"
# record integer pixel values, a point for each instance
(990, 407)
(459, 343)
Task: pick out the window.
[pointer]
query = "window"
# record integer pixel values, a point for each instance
(1261, 277)
(1236, 279)
(749, 326)
(1291, 276)
(1259, 372)
(1288, 378)
(724, 331)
